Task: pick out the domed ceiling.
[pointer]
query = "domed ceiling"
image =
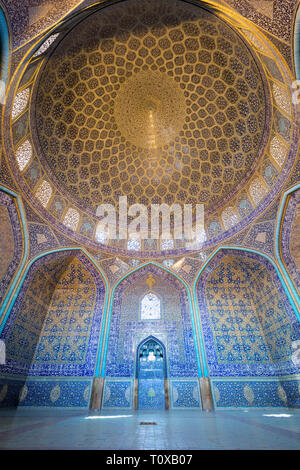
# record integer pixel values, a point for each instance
(162, 102)
(160, 106)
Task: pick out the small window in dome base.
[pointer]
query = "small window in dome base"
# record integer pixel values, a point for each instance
(134, 244)
(71, 219)
(150, 307)
(43, 193)
(167, 244)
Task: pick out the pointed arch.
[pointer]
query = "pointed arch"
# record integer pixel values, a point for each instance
(25, 246)
(278, 239)
(87, 272)
(288, 310)
(297, 43)
(141, 344)
(294, 304)
(4, 54)
(199, 349)
(23, 274)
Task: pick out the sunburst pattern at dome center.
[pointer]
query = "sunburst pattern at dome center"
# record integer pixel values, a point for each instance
(149, 109)
(161, 102)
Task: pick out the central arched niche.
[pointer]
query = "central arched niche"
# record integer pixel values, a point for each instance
(52, 333)
(248, 328)
(151, 372)
(128, 330)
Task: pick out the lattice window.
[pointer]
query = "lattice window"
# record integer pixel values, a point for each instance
(71, 219)
(134, 244)
(46, 45)
(24, 154)
(101, 236)
(150, 307)
(278, 150)
(257, 191)
(167, 244)
(20, 102)
(282, 97)
(43, 193)
(229, 217)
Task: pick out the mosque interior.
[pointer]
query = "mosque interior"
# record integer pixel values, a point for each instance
(131, 104)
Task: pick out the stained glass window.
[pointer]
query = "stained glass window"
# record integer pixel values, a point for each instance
(150, 307)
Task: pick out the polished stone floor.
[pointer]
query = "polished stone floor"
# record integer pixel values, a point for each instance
(251, 429)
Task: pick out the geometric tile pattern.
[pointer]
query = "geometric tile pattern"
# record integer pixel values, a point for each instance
(233, 393)
(46, 392)
(185, 394)
(151, 394)
(11, 241)
(290, 236)
(117, 393)
(173, 329)
(247, 322)
(53, 328)
(98, 74)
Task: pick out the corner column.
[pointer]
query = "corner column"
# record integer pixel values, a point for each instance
(97, 393)
(206, 395)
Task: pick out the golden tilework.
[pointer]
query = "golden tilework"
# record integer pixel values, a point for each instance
(24, 335)
(6, 241)
(248, 318)
(160, 102)
(54, 321)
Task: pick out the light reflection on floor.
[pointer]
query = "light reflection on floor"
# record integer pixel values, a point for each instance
(249, 429)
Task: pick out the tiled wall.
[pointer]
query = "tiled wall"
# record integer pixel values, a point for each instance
(185, 393)
(290, 237)
(118, 393)
(11, 242)
(53, 329)
(247, 321)
(46, 392)
(127, 330)
(249, 392)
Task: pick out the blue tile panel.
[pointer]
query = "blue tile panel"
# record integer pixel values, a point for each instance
(117, 393)
(185, 394)
(151, 394)
(174, 329)
(46, 392)
(264, 392)
(247, 321)
(54, 326)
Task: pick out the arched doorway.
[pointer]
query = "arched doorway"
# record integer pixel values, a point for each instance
(151, 373)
